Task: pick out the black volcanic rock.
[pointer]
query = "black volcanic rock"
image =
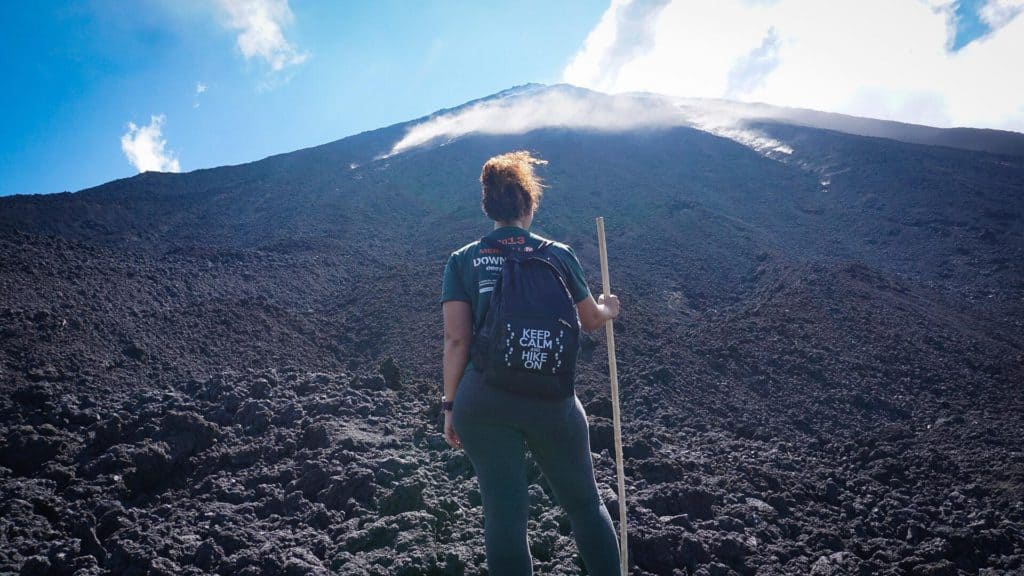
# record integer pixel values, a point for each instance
(236, 370)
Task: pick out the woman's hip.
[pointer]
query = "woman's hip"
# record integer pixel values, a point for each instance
(478, 402)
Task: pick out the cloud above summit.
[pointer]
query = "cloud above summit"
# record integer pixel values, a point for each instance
(260, 25)
(997, 13)
(886, 59)
(572, 108)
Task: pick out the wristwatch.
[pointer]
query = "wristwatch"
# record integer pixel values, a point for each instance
(447, 405)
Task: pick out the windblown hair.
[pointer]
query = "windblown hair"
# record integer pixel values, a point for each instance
(510, 188)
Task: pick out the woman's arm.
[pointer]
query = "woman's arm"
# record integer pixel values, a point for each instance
(593, 314)
(458, 333)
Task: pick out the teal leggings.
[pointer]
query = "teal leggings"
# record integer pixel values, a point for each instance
(495, 427)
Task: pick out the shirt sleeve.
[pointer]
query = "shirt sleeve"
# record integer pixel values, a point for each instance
(577, 284)
(452, 287)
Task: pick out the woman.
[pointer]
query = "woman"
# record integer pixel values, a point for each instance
(494, 425)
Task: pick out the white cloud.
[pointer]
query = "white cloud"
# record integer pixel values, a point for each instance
(200, 88)
(261, 26)
(997, 13)
(878, 58)
(750, 71)
(144, 147)
(624, 32)
(569, 107)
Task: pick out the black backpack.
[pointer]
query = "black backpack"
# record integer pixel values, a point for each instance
(530, 336)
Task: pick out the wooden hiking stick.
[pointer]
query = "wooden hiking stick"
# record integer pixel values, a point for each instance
(616, 423)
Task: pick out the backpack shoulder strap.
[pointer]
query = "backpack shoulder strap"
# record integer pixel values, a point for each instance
(545, 253)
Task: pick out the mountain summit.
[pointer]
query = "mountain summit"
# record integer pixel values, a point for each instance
(535, 106)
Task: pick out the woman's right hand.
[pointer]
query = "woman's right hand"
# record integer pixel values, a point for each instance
(609, 305)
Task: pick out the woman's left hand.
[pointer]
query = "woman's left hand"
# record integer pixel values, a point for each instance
(449, 432)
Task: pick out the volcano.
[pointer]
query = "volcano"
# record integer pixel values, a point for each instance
(237, 370)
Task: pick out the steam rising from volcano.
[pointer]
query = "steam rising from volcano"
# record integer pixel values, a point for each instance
(568, 107)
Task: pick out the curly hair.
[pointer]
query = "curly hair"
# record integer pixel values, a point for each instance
(510, 188)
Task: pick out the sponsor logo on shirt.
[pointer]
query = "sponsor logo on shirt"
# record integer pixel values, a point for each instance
(489, 261)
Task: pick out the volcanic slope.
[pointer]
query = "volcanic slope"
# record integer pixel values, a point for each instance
(236, 370)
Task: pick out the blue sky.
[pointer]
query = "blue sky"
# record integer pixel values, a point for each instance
(232, 81)
(81, 71)
(969, 24)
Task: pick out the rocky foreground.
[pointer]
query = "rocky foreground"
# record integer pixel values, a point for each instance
(834, 421)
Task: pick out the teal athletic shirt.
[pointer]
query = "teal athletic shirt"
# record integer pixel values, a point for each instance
(472, 271)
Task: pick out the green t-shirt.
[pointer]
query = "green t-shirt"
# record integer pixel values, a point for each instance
(473, 270)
